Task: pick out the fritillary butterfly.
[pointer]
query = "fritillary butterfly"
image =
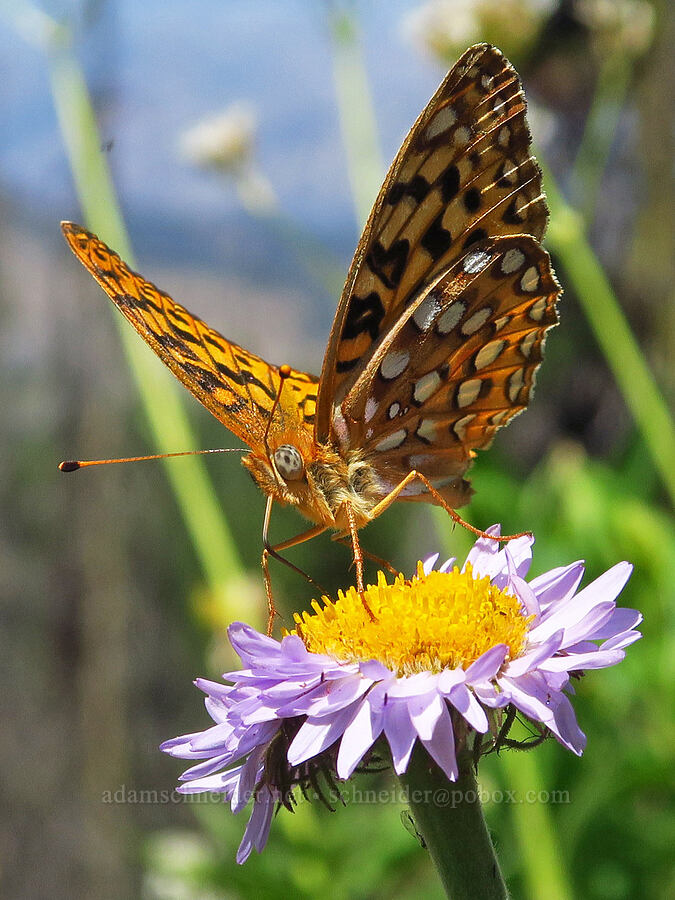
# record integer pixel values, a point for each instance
(437, 337)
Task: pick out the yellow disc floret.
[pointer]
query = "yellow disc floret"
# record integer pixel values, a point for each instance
(429, 623)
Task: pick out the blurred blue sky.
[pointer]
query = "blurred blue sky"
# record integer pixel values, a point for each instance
(156, 68)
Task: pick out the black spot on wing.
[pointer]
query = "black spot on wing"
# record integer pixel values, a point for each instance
(244, 377)
(205, 379)
(511, 215)
(449, 183)
(436, 240)
(188, 336)
(173, 345)
(505, 180)
(472, 199)
(130, 302)
(346, 365)
(388, 265)
(417, 188)
(364, 315)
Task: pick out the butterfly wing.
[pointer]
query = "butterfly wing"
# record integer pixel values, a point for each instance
(235, 385)
(458, 364)
(463, 174)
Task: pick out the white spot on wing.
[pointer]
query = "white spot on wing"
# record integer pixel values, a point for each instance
(468, 392)
(527, 343)
(498, 417)
(445, 118)
(427, 311)
(460, 426)
(340, 427)
(504, 136)
(537, 310)
(392, 441)
(427, 431)
(426, 386)
(507, 172)
(489, 353)
(394, 410)
(530, 280)
(516, 382)
(394, 364)
(520, 202)
(501, 322)
(449, 319)
(477, 320)
(513, 260)
(371, 408)
(462, 136)
(476, 262)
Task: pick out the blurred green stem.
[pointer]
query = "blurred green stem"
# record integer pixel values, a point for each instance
(568, 241)
(357, 116)
(540, 858)
(168, 423)
(614, 78)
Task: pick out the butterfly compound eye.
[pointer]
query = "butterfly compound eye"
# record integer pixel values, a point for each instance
(289, 462)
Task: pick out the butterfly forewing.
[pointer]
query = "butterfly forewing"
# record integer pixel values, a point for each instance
(463, 174)
(237, 386)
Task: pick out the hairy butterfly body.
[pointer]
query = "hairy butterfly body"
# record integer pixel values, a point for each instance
(437, 337)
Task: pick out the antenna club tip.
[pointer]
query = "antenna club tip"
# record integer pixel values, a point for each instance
(285, 371)
(69, 465)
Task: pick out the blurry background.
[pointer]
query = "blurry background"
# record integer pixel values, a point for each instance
(246, 141)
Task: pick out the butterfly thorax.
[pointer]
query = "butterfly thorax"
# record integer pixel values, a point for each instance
(330, 480)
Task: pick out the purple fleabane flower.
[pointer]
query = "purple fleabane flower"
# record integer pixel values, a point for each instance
(444, 658)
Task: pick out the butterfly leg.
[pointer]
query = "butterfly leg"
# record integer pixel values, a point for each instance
(358, 556)
(275, 553)
(386, 502)
(356, 547)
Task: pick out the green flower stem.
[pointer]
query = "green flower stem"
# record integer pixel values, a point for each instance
(449, 818)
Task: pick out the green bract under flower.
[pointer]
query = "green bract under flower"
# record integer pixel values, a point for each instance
(429, 623)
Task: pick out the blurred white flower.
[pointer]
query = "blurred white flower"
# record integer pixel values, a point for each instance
(618, 25)
(222, 141)
(446, 27)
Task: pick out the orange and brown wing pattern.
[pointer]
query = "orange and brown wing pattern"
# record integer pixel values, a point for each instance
(463, 174)
(235, 385)
(458, 365)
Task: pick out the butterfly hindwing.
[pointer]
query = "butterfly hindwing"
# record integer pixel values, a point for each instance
(458, 365)
(235, 385)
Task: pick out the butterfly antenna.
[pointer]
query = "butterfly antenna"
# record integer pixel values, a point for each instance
(284, 373)
(71, 465)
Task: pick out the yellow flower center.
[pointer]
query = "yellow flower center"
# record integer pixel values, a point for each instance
(432, 622)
